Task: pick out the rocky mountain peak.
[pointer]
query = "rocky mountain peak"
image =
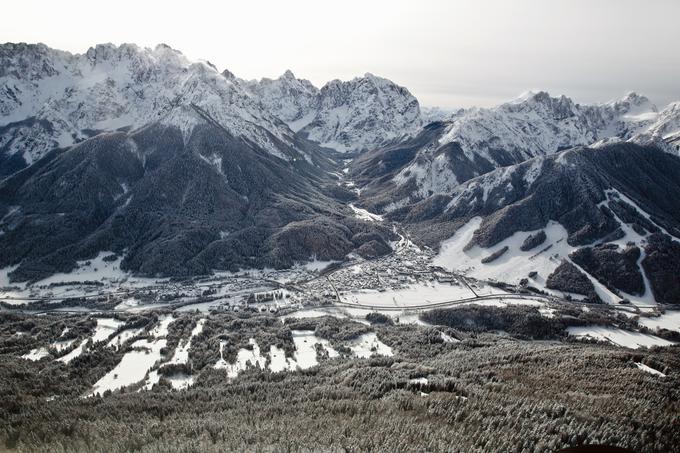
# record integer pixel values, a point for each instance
(288, 75)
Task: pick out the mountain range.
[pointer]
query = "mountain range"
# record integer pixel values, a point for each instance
(182, 170)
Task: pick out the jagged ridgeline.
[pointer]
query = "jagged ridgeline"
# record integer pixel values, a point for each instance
(182, 169)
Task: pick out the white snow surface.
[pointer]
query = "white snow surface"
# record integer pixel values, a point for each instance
(182, 351)
(514, 264)
(368, 345)
(414, 294)
(620, 337)
(669, 320)
(74, 353)
(105, 327)
(363, 214)
(138, 362)
(133, 366)
(36, 354)
(650, 370)
(244, 359)
(305, 348)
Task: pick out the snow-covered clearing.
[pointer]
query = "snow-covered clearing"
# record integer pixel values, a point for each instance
(95, 269)
(74, 353)
(246, 358)
(136, 363)
(448, 338)
(305, 348)
(133, 366)
(36, 354)
(363, 214)
(368, 344)
(420, 380)
(105, 328)
(60, 345)
(279, 361)
(669, 320)
(182, 351)
(316, 265)
(161, 328)
(123, 336)
(620, 337)
(514, 264)
(649, 370)
(221, 363)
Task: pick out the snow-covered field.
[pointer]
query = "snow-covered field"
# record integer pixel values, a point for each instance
(182, 350)
(161, 329)
(305, 348)
(60, 345)
(105, 327)
(73, 354)
(36, 354)
(305, 356)
(415, 294)
(133, 366)
(95, 269)
(123, 336)
(514, 264)
(669, 320)
(246, 358)
(620, 337)
(368, 344)
(136, 363)
(278, 360)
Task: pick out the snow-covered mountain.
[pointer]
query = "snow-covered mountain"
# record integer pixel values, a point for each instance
(475, 141)
(349, 116)
(292, 100)
(171, 205)
(182, 169)
(432, 114)
(609, 216)
(664, 131)
(50, 98)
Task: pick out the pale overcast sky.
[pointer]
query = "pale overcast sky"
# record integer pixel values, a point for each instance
(448, 53)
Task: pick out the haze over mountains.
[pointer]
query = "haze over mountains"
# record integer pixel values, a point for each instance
(182, 170)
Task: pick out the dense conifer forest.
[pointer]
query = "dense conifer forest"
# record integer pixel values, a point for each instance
(483, 390)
